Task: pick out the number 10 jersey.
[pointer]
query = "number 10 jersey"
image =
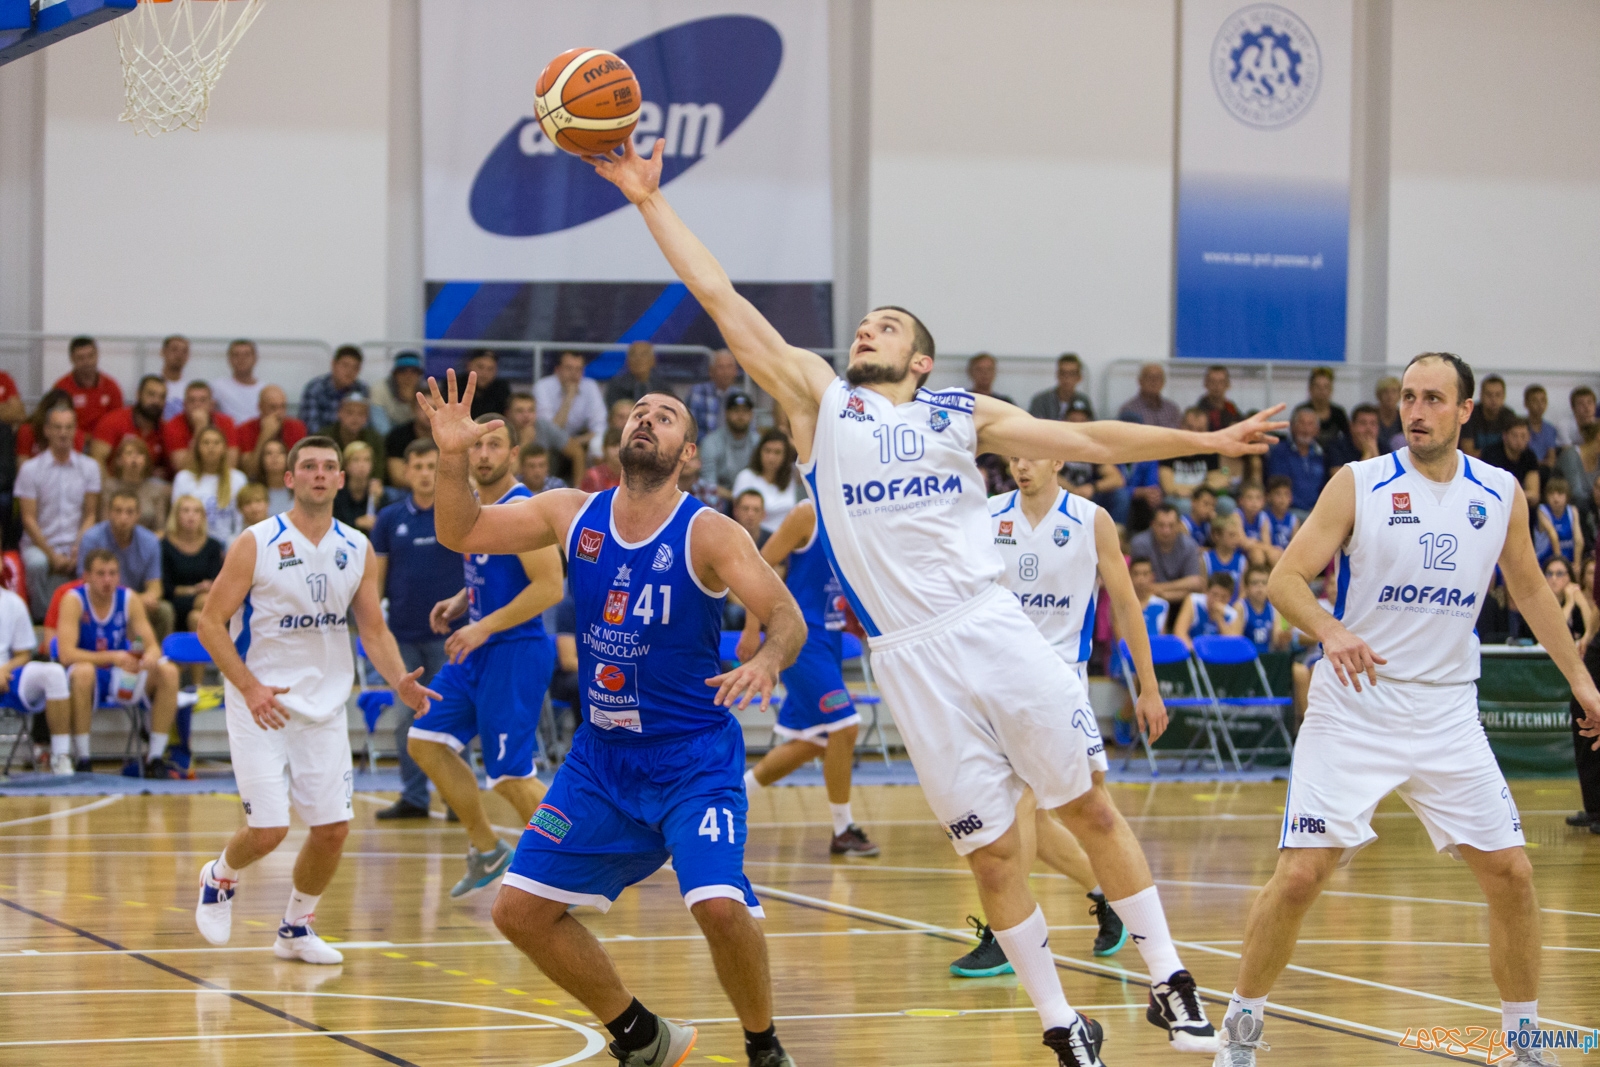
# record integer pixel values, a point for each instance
(1412, 577)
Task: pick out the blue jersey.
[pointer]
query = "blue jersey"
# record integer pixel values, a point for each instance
(1282, 529)
(1200, 532)
(495, 581)
(1258, 626)
(1563, 527)
(815, 587)
(1236, 565)
(103, 635)
(1257, 527)
(648, 631)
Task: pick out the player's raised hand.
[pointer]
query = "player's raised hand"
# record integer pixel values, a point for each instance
(1150, 714)
(746, 682)
(413, 694)
(262, 700)
(450, 417)
(637, 176)
(1351, 658)
(1249, 436)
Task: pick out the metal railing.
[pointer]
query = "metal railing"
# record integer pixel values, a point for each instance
(527, 361)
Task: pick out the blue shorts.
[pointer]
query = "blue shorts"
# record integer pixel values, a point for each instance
(497, 694)
(616, 813)
(816, 702)
(12, 697)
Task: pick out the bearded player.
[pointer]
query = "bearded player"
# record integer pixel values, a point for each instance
(905, 523)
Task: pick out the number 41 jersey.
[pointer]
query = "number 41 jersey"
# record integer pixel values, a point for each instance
(1414, 574)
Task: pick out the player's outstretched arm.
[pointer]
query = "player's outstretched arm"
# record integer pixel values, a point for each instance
(227, 594)
(1525, 582)
(794, 376)
(1148, 710)
(367, 609)
(1308, 555)
(1007, 430)
(543, 591)
(724, 555)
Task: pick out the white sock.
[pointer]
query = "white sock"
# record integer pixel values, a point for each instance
(1027, 946)
(1238, 1005)
(60, 744)
(1147, 925)
(1519, 1014)
(302, 907)
(841, 817)
(1097, 892)
(221, 871)
(750, 783)
(80, 746)
(158, 746)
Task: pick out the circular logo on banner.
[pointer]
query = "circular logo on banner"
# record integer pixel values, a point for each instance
(1266, 66)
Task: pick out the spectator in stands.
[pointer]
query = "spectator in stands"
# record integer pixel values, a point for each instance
(574, 403)
(93, 394)
(1489, 419)
(564, 686)
(130, 472)
(533, 469)
(771, 473)
(1362, 442)
(1058, 402)
(528, 427)
(1331, 418)
(1581, 400)
(413, 428)
(1173, 555)
(12, 411)
(358, 502)
(493, 394)
(174, 360)
(1576, 610)
(58, 493)
(415, 572)
(238, 395)
(1282, 522)
(138, 553)
(1101, 482)
(1254, 524)
(1510, 452)
(1201, 519)
(1300, 458)
(707, 399)
(980, 377)
(199, 412)
(214, 482)
(272, 423)
(191, 559)
(608, 472)
(637, 377)
(254, 504)
(616, 419)
(353, 425)
(31, 439)
(1210, 612)
(1543, 437)
(1219, 410)
(1557, 529)
(689, 481)
(396, 395)
(750, 511)
(142, 420)
(1391, 434)
(726, 451)
(1580, 465)
(1148, 406)
(1182, 476)
(274, 465)
(320, 399)
(1144, 492)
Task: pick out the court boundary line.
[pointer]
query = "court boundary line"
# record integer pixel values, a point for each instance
(82, 809)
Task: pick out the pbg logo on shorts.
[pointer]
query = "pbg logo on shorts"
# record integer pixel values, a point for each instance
(550, 822)
(965, 826)
(1307, 824)
(589, 544)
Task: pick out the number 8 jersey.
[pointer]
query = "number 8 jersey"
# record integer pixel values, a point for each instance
(1414, 573)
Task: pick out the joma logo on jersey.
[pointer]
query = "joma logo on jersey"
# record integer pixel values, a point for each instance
(1044, 600)
(1427, 594)
(855, 409)
(306, 622)
(616, 606)
(897, 488)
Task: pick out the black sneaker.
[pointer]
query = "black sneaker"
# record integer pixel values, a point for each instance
(1175, 1007)
(1077, 1045)
(1113, 935)
(852, 844)
(985, 961)
(84, 766)
(772, 1057)
(402, 809)
(1580, 818)
(159, 768)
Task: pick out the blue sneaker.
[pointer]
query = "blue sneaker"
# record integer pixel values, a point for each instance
(1122, 732)
(483, 868)
(987, 959)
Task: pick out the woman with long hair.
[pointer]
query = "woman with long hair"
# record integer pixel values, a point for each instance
(216, 485)
(772, 474)
(274, 464)
(1575, 608)
(191, 559)
(363, 495)
(130, 472)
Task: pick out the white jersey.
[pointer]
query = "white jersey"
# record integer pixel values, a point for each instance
(1415, 571)
(292, 629)
(1053, 568)
(901, 504)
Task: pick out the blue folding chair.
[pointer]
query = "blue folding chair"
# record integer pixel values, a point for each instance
(870, 702)
(1169, 651)
(1261, 707)
(185, 648)
(372, 700)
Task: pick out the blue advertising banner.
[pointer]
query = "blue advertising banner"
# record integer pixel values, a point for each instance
(1263, 221)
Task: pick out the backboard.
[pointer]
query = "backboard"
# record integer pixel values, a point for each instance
(29, 25)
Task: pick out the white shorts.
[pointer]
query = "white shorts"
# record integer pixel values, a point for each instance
(986, 707)
(314, 752)
(1422, 741)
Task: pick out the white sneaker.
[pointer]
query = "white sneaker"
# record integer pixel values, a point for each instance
(302, 943)
(1240, 1040)
(61, 764)
(213, 916)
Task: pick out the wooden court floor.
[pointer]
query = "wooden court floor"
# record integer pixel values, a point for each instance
(100, 962)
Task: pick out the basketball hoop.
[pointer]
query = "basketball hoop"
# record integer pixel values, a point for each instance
(172, 58)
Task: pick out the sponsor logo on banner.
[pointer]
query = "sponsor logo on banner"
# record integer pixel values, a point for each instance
(589, 544)
(700, 81)
(663, 560)
(1266, 66)
(1477, 514)
(616, 606)
(550, 822)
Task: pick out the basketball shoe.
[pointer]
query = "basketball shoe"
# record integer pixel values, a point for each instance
(852, 844)
(62, 765)
(670, 1048)
(772, 1057)
(1237, 1045)
(1077, 1045)
(1534, 1057)
(482, 868)
(1175, 1007)
(1113, 935)
(213, 916)
(302, 943)
(987, 959)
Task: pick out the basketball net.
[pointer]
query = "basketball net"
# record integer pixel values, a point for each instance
(172, 58)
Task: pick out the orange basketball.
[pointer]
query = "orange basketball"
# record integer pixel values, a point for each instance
(587, 101)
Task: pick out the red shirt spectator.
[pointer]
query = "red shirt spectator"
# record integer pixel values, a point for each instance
(599, 478)
(29, 446)
(120, 423)
(142, 420)
(93, 394)
(248, 434)
(176, 433)
(199, 411)
(8, 388)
